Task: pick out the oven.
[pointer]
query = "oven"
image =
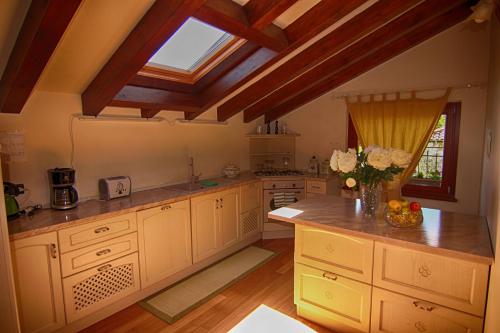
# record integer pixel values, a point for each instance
(280, 193)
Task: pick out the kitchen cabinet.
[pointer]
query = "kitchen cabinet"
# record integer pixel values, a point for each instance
(251, 210)
(37, 275)
(332, 300)
(215, 222)
(396, 313)
(229, 217)
(164, 235)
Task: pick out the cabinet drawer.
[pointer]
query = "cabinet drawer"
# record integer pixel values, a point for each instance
(348, 256)
(394, 313)
(447, 281)
(250, 196)
(94, 255)
(333, 301)
(95, 232)
(98, 287)
(315, 186)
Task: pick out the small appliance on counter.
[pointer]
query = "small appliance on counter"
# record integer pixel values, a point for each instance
(11, 191)
(114, 187)
(62, 193)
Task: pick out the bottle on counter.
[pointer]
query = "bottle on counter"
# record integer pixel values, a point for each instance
(284, 129)
(268, 128)
(314, 166)
(276, 128)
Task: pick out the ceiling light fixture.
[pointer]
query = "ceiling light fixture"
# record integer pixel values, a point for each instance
(482, 11)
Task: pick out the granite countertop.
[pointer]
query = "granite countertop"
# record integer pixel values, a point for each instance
(459, 235)
(47, 220)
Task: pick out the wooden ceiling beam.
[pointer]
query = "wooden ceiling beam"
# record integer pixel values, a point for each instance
(159, 23)
(43, 27)
(262, 13)
(309, 26)
(232, 18)
(371, 60)
(368, 20)
(400, 26)
(156, 99)
(233, 79)
(157, 83)
(318, 18)
(149, 113)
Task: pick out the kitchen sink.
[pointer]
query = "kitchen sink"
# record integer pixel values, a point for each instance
(188, 187)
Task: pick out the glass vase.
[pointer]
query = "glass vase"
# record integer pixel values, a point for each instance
(369, 195)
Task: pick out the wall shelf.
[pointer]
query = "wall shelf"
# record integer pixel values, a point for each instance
(272, 136)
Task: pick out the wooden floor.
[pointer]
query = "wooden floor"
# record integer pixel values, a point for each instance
(271, 284)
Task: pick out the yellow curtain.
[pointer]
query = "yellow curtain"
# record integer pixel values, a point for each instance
(401, 123)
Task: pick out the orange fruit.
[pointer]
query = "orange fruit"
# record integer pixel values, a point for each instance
(394, 205)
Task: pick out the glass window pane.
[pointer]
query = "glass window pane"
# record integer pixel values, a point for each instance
(190, 46)
(430, 166)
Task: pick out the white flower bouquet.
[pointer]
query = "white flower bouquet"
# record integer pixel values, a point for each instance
(369, 166)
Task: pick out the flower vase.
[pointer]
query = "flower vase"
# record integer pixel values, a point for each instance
(369, 195)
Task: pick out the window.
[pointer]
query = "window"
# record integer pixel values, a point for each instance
(191, 52)
(435, 175)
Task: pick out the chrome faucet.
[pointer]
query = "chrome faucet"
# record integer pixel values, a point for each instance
(192, 177)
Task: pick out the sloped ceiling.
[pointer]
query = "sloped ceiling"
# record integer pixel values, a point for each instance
(99, 29)
(96, 31)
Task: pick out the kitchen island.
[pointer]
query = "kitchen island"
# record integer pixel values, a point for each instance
(355, 274)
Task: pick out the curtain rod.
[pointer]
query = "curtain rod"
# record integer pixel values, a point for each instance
(348, 94)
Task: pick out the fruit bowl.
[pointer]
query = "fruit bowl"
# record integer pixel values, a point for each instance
(402, 216)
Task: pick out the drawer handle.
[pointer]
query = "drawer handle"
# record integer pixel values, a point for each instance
(53, 251)
(330, 276)
(166, 207)
(424, 271)
(102, 252)
(315, 187)
(423, 306)
(105, 267)
(216, 203)
(420, 326)
(101, 229)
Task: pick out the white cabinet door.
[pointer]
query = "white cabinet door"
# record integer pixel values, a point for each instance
(164, 241)
(37, 276)
(204, 224)
(229, 217)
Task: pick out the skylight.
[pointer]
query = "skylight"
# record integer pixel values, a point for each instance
(190, 46)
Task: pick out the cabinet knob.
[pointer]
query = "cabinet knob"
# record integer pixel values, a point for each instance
(422, 306)
(102, 252)
(101, 229)
(330, 276)
(53, 251)
(330, 248)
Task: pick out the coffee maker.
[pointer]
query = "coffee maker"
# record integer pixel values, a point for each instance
(62, 193)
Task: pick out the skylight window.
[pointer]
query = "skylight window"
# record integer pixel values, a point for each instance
(190, 46)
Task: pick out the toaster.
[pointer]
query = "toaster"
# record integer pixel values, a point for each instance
(114, 187)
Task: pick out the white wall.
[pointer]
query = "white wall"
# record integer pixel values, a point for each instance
(455, 57)
(491, 178)
(152, 154)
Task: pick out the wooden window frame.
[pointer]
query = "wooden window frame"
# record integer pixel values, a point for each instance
(428, 189)
(205, 66)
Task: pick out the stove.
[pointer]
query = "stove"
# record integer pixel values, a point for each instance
(278, 172)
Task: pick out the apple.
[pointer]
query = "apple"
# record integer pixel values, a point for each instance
(415, 206)
(404, 203)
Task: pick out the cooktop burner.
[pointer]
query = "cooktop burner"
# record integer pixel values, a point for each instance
(275, 172)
